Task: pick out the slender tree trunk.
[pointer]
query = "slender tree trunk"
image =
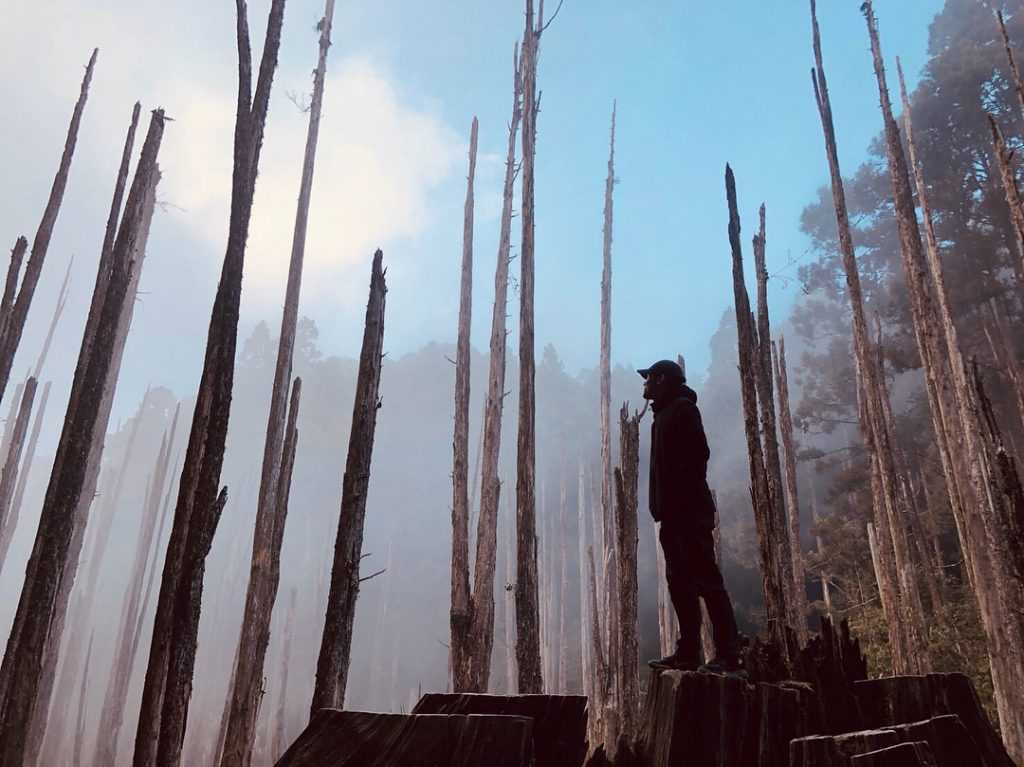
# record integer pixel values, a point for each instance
(581, 548)
(528, 661)
(1005, 355)
(12, 321)
(9, 475)
(168, 683)
(626, 478)
(826, 593)
(666, 629)
(563, 586)
(76, 752)
(1004, 159)
(1018, 85)
(38, 611)
(264, 573)
(482, 598)
(792, 496)
(876, 436)
(335, 647)
(598, 708)
(11, 283)
(280, 743)
(12, 416)
(460, 619)
(62, 299)
(11, 522)
(508, 601)
(772, 532)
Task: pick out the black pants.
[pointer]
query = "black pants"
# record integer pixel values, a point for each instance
(692, 572)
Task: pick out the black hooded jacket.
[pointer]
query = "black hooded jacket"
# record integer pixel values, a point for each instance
(679, 493)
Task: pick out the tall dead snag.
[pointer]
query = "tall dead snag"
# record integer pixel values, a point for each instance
(168, 682)
(11, 284)
(527, 608)
(335, 647)
(907, 654)
(1000, 341)
(20, 676)
(482, 597)
(792, 497)
(74, 647)
(264, 577)
(116, 696)
(1004, 158)
(772, 532)
(14, 311)
(819, 548)
(62, 299)
(626, 633)
(461, 651)
(988, 534)
(1018, 85)
(279, 741)
(769, 430)
(581, 548)
(11, 521)
(8, 477)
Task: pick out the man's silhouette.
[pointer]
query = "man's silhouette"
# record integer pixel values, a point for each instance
(681, 502)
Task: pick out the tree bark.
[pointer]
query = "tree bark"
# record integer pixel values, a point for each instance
(626, 633)
(772, 533)
(528, 661)
(581, 548)
(167, 688)
(279, 742)
(37, 609)
(12, 323)
(335, 647)
(460, 618)
(11, 283)
(1004, 159)
(1018, 85)
(482, 598)
(11, 523)
(792, 496)
(62, 299)
(9, 476)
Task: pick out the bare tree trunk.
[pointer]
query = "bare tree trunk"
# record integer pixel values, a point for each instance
(666, 628)
(11, 523)
(826, 593)
(12, 416)
(628, 678)
(792, 497)
(1006, 357)
(482, 598)
(279, 743)
(563, 586)
(598, 708)
(62, 299)
(264, 573)
(12, 322)
(1018, 85)
(581, 548)
(335, 647)
(37, 612)
(797, 618)
(528, 660)
(508, 600)
(772, 532)
(76, 752)
(1004, 158)
(460, 618)
(11, 283)
(10, 468)
(873, 428)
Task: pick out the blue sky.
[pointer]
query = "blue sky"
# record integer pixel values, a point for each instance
(697, 85)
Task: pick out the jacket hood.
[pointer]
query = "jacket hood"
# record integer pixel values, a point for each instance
(689, 393)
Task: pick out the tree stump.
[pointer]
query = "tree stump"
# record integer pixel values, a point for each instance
(916, 754)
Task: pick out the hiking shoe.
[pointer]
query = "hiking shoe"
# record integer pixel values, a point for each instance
(674, 662)
(724, 666)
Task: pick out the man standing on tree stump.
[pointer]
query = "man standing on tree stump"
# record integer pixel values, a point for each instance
(681, 502)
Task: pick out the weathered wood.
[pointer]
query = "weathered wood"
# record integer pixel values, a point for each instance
(167, 687)
(559, 721)
(58, 310)
(792, 496)
(528, 662)
(916, 754)
(482, 628)
(1004, 159)
(460, 617)
(336, 643)
(268, 530)
(9, 475)
(626, 633)
(14, 513)
(1018, 84)
(11, 282)
(359, 739)
(12, 323)
(37, 610)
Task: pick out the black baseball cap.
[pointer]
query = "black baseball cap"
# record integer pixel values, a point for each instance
(666, 368)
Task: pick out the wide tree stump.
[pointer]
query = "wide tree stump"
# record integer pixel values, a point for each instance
(951, 743)
(559, 721)
(916, 754)
(897, 700)
(360, 739)
(784, 711)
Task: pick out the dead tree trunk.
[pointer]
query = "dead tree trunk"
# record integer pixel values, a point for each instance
(772, 533)
(460, 619)
(482, 597)
(598, 708)
(11, 283)
(527, 609)
(12, 321)
(626, 633)
(1018, 85)
(21, 675)
(11, 523)
(9, 475)
(797, 618)
(1004, 159)
(280, 741)
(167, 688)
(873, 429)
(76, 751)
(581, 548)
(335, 647)
(792, 497)
(819, 549)
(58, 310)
(563, 585)
(1005, 355)
(12, 416)
(264, 576)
